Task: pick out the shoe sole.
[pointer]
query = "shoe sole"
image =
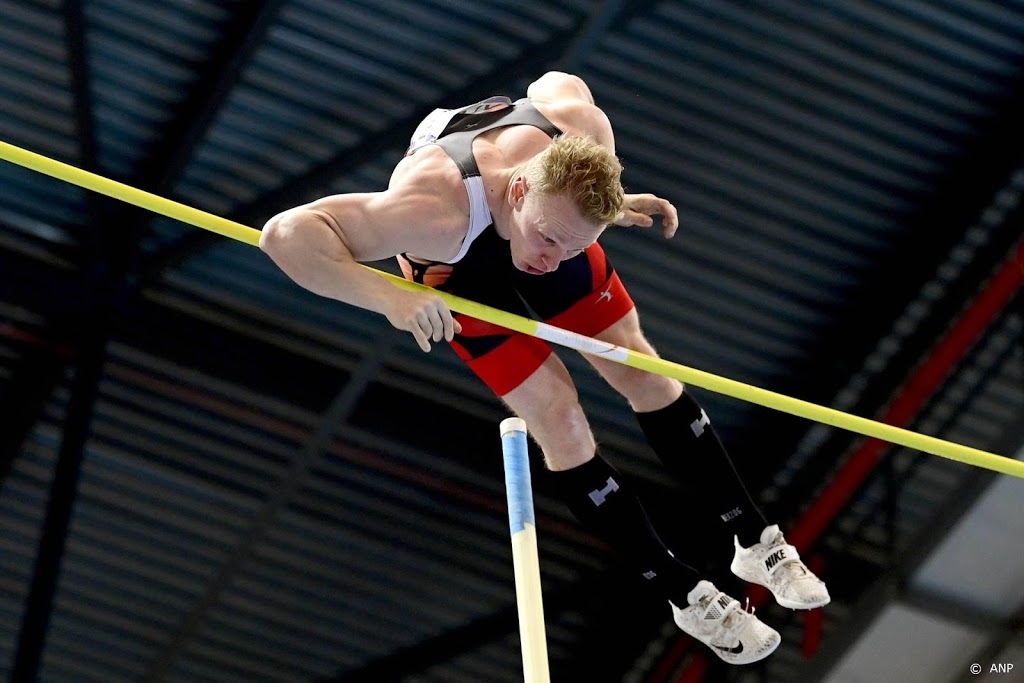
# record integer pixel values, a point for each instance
(788, 604)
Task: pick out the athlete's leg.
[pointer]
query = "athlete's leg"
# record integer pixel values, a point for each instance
(547, 400)
(601, 499)
(585, 295)
(536, 386)
(680, 433)
(595, 493)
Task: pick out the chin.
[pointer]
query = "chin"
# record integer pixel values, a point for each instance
(520, 264)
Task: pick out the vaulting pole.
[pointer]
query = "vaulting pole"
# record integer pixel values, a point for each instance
(525, 558)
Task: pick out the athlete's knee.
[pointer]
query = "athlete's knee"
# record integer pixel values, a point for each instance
(560, 412)
(626, 332)
(568, 416)
(563, 432)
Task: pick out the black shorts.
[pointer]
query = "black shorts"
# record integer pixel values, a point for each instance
(583, 295)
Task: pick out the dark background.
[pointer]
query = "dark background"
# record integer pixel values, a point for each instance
(210, 474)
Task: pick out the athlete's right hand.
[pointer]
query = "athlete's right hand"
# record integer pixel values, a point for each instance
(427, 316)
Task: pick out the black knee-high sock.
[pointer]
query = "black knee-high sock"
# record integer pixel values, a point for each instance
(683, 438)
(598, 496)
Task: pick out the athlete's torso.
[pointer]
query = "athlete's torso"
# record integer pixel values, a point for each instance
(465, 145)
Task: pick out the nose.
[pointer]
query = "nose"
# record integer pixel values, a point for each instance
(550, 260)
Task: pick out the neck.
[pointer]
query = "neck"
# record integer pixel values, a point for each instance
(503, 211)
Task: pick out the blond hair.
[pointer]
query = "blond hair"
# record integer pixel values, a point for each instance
(583, 170)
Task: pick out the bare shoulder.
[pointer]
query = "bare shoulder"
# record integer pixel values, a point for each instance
(426, 189)
(566, 100)
(579, 117)
(558, 85)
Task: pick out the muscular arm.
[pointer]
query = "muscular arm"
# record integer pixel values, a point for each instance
(319, 245)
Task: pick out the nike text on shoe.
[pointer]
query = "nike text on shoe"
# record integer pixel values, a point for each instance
(715, 619)
(776, 565)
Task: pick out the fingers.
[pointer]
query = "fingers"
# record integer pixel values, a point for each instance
(670, 221)
(443, 323)
(424, 315)
(639, 209)
(437, 324)
(422, 336)
(430, 319)
(451, 326)
(631, 217)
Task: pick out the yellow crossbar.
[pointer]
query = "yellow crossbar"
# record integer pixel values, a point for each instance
(716, 383)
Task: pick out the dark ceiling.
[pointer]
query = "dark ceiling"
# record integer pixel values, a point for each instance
(209, 474)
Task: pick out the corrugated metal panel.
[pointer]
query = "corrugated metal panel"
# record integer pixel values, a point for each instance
(228, 527)
(38, 112)
(144, 58)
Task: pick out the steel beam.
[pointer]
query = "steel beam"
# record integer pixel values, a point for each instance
(90, 347)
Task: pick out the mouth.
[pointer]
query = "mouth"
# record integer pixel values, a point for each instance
(527, 268)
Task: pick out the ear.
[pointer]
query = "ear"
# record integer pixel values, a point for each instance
(517, 192)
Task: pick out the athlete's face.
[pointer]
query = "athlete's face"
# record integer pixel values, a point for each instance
(547, 230)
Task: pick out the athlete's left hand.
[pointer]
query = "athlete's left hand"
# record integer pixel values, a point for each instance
(639, 210)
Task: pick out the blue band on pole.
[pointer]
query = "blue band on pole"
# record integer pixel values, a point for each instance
(517, 481)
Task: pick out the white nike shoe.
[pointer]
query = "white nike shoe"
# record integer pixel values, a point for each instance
(718, 621)
(776, 565)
